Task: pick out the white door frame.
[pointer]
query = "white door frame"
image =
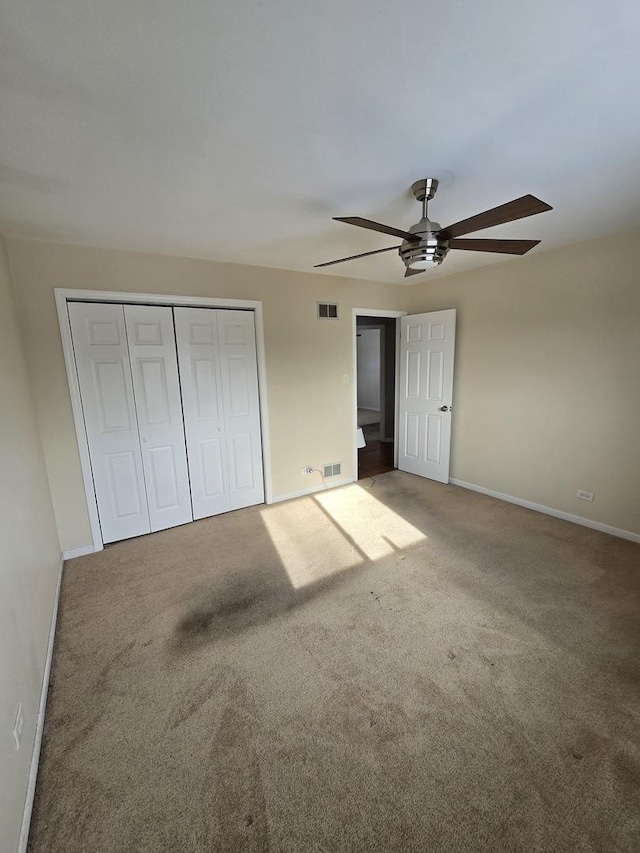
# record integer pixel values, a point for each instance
(64, 295)
(391, 315)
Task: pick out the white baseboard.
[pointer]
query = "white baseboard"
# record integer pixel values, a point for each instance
(79, 552)
(35, 757)
(311, 490)
(548, 510)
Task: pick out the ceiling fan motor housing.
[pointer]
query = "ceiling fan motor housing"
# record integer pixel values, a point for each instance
(429, 251)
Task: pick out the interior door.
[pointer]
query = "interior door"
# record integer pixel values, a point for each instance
(218, 372)
(427, 343)
(154, 367)
(104, 374)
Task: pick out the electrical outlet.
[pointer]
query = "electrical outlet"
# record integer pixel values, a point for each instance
(584, 496)
(307, 470)
(18, 726)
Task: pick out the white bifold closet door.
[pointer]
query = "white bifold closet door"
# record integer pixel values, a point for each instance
(128, 376)
(104, 375)
(218, 373)
(156, 391)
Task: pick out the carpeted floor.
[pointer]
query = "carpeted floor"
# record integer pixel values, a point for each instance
(410, 667)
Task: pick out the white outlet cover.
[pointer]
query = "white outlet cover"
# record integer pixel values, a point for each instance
(584, 496)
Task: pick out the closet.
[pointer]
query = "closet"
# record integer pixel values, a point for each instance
(171, 410)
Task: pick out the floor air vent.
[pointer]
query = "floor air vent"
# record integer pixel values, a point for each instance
(332, 470)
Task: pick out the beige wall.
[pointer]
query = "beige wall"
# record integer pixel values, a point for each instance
(546, 401)
(29, 561)
(310, 407)
(547, 381)
(546, 389)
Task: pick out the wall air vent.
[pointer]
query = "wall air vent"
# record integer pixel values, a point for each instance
(327, 311)
(332, 470)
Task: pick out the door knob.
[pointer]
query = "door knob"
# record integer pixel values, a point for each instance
(443, 409)
(219, 429)
(145, 440)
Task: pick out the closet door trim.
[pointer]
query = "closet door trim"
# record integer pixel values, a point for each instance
(65, 295)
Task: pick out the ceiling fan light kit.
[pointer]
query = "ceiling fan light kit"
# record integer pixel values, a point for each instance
(426, 249)
(426, 244)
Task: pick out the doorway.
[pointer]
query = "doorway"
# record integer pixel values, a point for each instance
(375, 394)
(414, 406)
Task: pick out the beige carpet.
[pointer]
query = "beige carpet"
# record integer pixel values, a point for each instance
(410, 667)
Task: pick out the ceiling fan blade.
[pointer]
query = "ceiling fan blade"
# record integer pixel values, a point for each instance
(412, 272)
(353, 257)
(506, 247)
(376, 226)
(528, 205)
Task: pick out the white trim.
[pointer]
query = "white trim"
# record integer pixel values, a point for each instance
(155, 299)
(64, 295)
(78, 416)
(264, 407)
(72, 553)
(312, 490)
(378, 312)
(35, 756)
(548, 510)
(391, 315)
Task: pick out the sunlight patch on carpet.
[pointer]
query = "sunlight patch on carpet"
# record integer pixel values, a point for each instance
(348, 526)
(373, 528)
(310, 547)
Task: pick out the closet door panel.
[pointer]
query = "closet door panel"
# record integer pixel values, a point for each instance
(212, 469)
(242, 462)
(104, 375)
(154, 368)
(200, 379)
(240, 400)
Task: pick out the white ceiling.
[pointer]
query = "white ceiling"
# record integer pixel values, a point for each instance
(236, 130)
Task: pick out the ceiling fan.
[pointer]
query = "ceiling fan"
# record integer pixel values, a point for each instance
(426, 244)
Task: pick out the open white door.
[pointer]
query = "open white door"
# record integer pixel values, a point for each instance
(427, 343)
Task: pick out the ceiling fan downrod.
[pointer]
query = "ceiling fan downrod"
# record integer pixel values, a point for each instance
(424, 190)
